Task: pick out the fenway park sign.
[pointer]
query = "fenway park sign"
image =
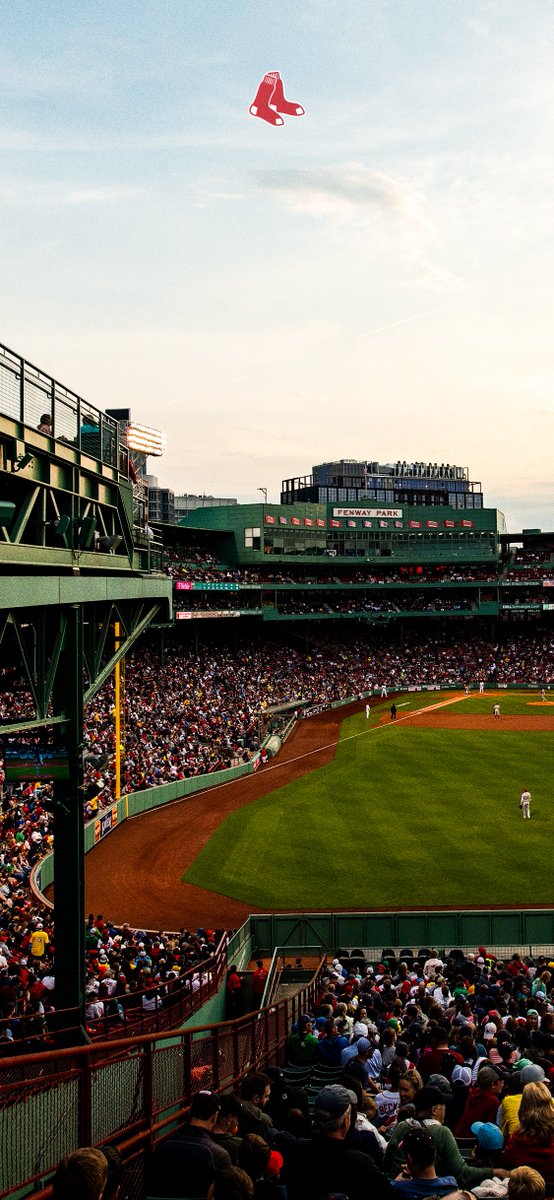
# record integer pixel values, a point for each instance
(367, 512)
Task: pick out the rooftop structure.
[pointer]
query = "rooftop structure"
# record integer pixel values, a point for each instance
(412, 483)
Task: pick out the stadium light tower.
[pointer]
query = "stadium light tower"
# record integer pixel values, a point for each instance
(264, 493)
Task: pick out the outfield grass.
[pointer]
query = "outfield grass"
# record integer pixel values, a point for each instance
(402, 816)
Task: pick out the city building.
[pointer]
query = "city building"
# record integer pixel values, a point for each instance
(417, 483)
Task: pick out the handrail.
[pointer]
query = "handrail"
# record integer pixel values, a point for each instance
(127, 1093)
(183, 1000)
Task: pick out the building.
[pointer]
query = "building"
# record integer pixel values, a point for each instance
(400, 483)
(188, 503)
(161, 501)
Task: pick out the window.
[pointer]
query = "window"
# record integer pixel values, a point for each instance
(252, 539)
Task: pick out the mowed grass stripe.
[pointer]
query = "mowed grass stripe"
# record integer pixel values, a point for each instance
(402, 817)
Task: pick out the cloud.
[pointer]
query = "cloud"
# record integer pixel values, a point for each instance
(388, 214)
(28, 194)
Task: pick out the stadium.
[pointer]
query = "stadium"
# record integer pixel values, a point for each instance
(294, 735)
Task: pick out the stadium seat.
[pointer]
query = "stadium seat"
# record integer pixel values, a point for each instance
(424, 953)
(459, 954)
(388, 952)
(357, 954)
(406, 952)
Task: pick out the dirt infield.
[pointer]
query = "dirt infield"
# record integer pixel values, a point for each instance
(481, 721)
(135, 874)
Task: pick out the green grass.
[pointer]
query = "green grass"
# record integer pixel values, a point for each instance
(401, 817)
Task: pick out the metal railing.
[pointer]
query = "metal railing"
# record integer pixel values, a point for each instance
(129, 1093)
(27, 394)
(173, 1003)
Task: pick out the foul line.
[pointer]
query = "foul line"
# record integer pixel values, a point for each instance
(278, 766)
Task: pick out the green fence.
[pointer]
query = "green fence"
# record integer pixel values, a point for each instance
(531, 930)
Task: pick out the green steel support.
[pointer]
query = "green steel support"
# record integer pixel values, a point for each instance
(69, 833)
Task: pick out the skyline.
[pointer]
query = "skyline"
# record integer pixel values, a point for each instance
(373, 280)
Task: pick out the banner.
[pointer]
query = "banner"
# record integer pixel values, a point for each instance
(269, 520)
(368, 524)
(466, 524)
(368, 512)
(414, 524)
(282, 520)
(295, 521)
(432, 524)
(351, 524)
(320, 523)
(335, 524)
(105, 824)
(308, 521)
(449, 524)
(383, 524)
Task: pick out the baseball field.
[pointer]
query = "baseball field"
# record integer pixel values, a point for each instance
(420, 811)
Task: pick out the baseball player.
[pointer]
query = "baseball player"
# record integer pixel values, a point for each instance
(525, 804)
(496, 712)
(367, 712)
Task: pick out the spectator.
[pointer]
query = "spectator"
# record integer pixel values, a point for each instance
(325, 1165)
(483, 1101)
(526, 1184)
(81, 1175)
(421, 1176)
(532, 1144)
(430, 1112)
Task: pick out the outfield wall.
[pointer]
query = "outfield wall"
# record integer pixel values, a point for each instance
(507, 930)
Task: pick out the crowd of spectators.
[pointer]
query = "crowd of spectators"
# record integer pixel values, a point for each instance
(204, 568)
(427, 1076)
(130, 973)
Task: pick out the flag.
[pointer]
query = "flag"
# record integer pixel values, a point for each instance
(269, 520)
(351, 524)
(320, 523)
(432, 524)
(383, 524)
(449, 524)
(308, 521)
(414, 524)
(368, 524)
(295, 521)
(282, 520)
(398, 524)
(335, 524)
(466, 524)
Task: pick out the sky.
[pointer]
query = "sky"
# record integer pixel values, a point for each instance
(373, 279)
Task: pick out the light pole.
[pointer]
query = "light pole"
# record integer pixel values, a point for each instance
(262, 535)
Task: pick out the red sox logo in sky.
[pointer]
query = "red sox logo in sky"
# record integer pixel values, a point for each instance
(270, 101)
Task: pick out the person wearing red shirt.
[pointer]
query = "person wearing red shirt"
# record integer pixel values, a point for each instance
(482, 1102)
(258, 982)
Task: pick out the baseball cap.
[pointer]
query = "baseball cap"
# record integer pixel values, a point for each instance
(461, 1075)
(489, 1030)
(521, 1063)
(440, 1082)
(363, 1043)
(427, 1097)
(533, 1073)
(333, 1101)
(532, 1012)
(488, 1135)
(359, 1029)
(304, 1020)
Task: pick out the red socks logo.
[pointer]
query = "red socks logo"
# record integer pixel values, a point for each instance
(270, 100)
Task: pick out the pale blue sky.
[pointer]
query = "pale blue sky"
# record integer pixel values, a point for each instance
(374, 279)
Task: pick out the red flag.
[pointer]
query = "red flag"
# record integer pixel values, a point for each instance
(320, 523)
(432, 524)
(335, 524)
(269, 520)
(449, 524)
(466, 524)
(295, 521)
(414, 524)
(308, 521)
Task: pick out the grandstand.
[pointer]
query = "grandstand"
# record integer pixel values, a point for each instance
(433, 596)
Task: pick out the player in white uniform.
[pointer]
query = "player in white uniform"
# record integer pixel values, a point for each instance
(367, 712)
(481, 687)
(525, 804)
(496, 712)
(384, 692)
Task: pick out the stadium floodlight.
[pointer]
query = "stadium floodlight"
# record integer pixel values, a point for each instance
(144, 440)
